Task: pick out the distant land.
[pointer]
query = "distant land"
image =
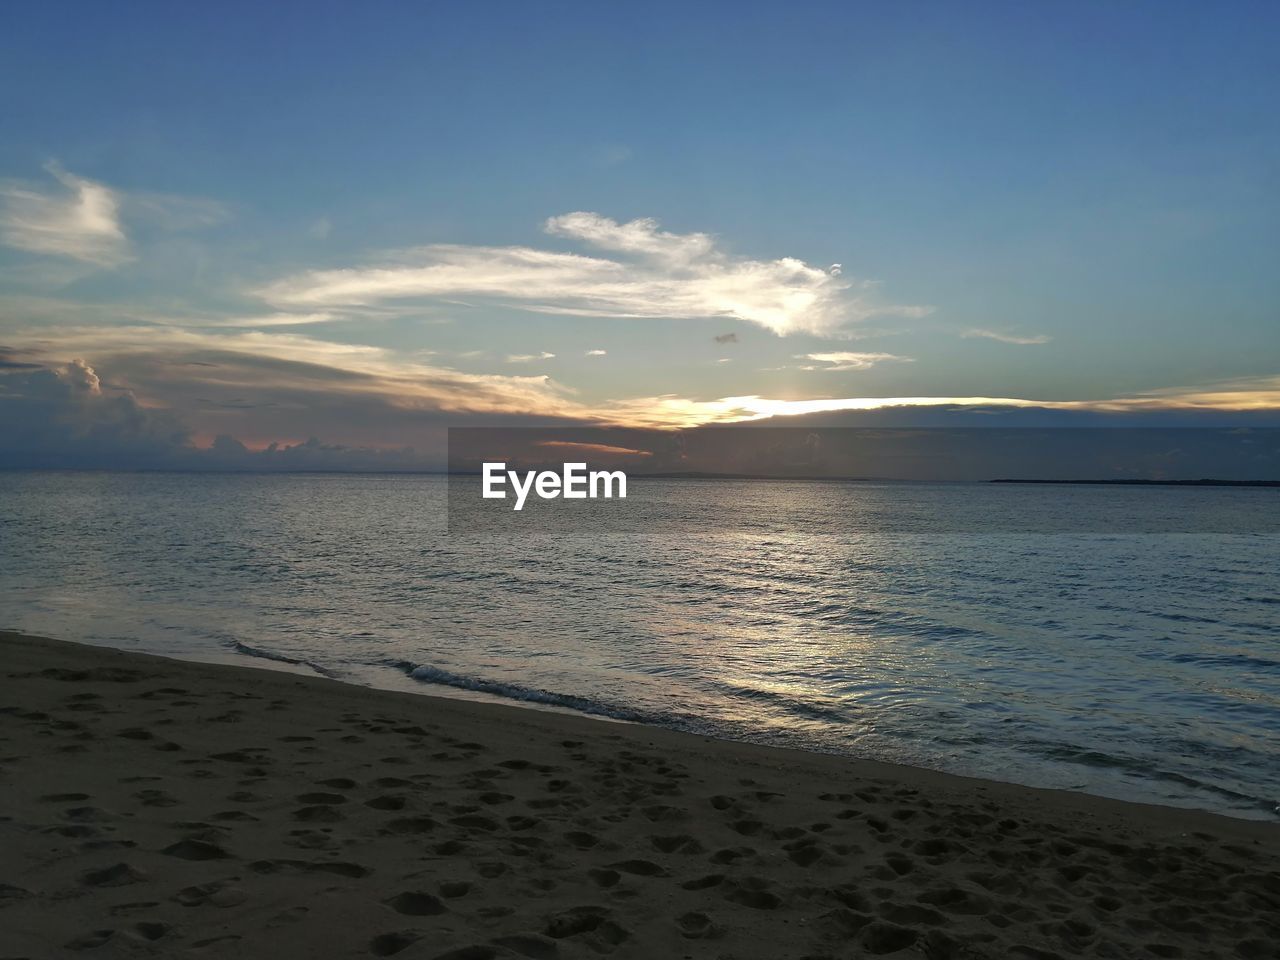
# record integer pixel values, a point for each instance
(700, 475)
(706, 475)
(1204, 482)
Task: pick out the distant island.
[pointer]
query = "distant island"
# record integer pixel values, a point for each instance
(1204, 482)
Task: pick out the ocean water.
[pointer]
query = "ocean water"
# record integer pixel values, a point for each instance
(1108, 659)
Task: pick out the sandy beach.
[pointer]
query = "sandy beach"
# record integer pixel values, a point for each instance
(162, 808)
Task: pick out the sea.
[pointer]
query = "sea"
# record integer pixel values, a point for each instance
(1129, 648)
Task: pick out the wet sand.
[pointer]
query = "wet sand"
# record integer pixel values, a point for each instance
(153, 807)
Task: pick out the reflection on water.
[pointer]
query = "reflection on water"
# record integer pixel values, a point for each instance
(1144, 666)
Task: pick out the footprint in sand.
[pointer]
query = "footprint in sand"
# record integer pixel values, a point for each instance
(680, 843)
(415, 903)
(64, 797)
(389, 944)
(317, 814)
(116, 875)
(336, 867)
(604, 878)
(331, 799)
(804, 853)
(218, 893)
(409, 825)
(879, 937)
(236, 816)
(530, 945)
(156, 798)
(581, 839)
(639, 868)
(196, 850)
(695, 926)
(731, 855)
(704, 883)
(753, 893)
(475, 822)
(576, 920)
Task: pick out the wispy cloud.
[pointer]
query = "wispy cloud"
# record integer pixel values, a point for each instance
(671, 410)
(847, 360)
(77, 218)
(1020, 339)
(653, 274)
(84, 220)
(272, 320)
(174, 362)
(596, 448)
(596, 353)
(529, 357)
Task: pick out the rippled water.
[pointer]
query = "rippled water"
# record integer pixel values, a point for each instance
(1137, 665)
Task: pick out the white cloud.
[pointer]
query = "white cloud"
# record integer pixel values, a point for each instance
(84, 220)
(1019, 339)
(79, 219)
(596, 353)
(252, 362)
(529, 357)
(637, 236)
(293, 371)
(656, 274)
(847, 360)
(274, 320)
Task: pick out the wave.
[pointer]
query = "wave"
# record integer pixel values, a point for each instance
(258, 653)
(1149, 770)
(515, 691)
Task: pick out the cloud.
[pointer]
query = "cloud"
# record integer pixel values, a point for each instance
(83, 220)
(725, 338)
(529, 357)
(62, 416)
(78, 218)
(637, 236)
(182, 364)
(596, 353)
(1025, 341)
(1174, 406)
(847, 360)
(596, 448)
(175, 398)
(655, 274)
(272, 320)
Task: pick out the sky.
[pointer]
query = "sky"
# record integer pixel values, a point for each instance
(343, 227)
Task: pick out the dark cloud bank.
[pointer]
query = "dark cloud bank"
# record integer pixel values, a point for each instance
(67, 418)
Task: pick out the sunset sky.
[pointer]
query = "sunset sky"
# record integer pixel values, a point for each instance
(361, 223)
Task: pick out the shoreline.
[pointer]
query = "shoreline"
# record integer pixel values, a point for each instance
(601, 837)
(395, 681)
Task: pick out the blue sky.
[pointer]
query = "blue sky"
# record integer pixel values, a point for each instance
(1052, 203)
